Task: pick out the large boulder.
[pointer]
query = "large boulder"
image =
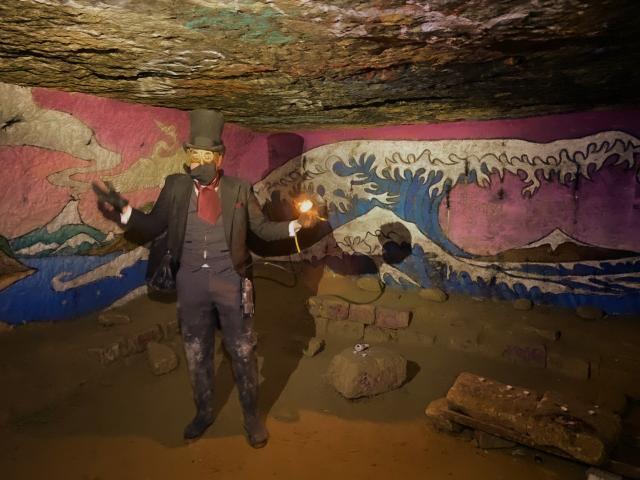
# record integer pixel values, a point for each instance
(364, 374)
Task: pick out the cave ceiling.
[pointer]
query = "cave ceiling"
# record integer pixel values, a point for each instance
(285, 64)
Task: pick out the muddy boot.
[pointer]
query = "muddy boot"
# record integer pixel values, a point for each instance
(257, 434)
(198, 425)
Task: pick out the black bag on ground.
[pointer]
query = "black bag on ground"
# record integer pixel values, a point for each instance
(161, 269)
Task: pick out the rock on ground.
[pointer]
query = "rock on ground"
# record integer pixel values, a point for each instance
(314, 347)
(162, 358)
(375, 371)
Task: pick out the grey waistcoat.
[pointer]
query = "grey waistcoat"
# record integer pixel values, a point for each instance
(204, 244)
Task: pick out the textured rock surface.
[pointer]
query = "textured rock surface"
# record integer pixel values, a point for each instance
(286, 64)
(576, 428)
(162, 358)
(376, 371)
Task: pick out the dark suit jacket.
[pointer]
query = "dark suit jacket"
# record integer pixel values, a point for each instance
(240, 211)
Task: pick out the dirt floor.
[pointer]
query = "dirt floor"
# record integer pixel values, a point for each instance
(66, 417)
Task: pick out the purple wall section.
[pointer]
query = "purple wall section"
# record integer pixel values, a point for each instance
(543, 208)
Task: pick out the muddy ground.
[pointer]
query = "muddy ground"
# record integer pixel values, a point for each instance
(63, 416)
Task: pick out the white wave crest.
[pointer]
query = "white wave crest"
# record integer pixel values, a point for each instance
(110, 269)
(452, 160)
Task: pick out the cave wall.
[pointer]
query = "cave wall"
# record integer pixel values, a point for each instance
(543, 208)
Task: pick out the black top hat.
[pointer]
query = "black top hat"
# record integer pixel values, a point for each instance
(206, 130)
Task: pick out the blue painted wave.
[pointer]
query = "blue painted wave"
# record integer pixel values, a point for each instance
(33, 299)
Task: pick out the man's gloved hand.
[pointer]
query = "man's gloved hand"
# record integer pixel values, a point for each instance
(110, 196)
(110, 202)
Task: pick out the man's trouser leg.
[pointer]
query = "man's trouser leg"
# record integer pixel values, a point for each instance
(239, 338)
(195, 310)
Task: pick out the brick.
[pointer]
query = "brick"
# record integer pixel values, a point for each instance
(365, 314)
(170, 329)
(346, 329)
(373, 334)
(529, 355)
(138, 343)
(335, 309)
(569, 365)
(390, 318)
(321, 326)
(110, 353)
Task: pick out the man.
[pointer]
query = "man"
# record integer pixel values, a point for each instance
(207, 217)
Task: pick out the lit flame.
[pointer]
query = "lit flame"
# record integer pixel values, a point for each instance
(305, 206)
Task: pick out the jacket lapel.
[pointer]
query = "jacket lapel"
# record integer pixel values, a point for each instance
(228, 196)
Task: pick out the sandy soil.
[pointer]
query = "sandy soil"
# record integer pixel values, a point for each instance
(65, 417)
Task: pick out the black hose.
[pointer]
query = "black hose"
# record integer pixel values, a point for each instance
(292, 271)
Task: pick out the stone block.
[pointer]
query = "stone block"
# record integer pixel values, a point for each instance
(373, 372)
(530, 355)
(321, 326)
(170, 329)
(335, 309)
(589, 313)
(110, 353)
(491, 442)
(365, 314)
(569, 365)
(435, 415)
(314, 305)
(139, 341)
(492, 401)
(162, 359)
(314, 347)
(410, 337)
(108, 319)
(574, 427)
(369, 284)
(373, 334)
(522, 304)
(346, 329)
(391, 318)
(433, 295)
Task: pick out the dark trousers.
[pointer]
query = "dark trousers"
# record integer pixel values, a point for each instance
(203, 296)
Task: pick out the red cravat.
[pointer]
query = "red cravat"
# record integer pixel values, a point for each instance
(208, 202)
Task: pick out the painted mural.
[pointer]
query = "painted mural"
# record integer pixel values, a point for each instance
(59, 258)
(554, 222)
(543, 208)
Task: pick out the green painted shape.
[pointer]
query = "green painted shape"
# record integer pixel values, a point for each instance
(258, 27)
(5, 247)
(60, 236)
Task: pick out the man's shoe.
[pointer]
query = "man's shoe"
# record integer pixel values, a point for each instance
(257, 434)
(198, 426)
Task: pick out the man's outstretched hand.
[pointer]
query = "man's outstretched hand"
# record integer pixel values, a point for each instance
(110, 202)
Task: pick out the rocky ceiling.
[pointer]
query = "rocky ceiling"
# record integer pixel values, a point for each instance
(284, 64)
